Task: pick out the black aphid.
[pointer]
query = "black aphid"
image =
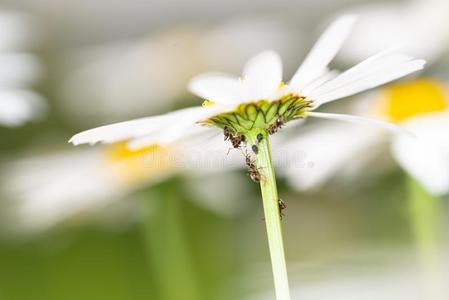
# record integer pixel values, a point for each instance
(255, 149)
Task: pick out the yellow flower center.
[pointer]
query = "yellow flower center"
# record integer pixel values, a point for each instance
(207, 103)
(134, 166)
(405, 100)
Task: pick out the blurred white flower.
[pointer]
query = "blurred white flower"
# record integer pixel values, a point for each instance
(326, 149)
(419, 106)
(426, 159)
(128, 77)
(18, 30)
(19, 70)
(419, 25)
(52, 188)
(229, 100)
(19, 106)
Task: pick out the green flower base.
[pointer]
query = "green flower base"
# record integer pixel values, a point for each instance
(262, 114)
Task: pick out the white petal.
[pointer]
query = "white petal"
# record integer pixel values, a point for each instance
(323, 52)
(169, 135)
(144, 141)
(262, 75)
(374, 71)
(427, 157)
(367, 66)
(140, 127)
(219, 88)
(362, 120)
(319, 81)
(119, 131)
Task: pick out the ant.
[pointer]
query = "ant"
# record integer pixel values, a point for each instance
(276, 126)
(236, 139)
(253, 171)
(282, 206)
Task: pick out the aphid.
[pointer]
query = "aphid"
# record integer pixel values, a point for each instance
(260, 137)
(253, 171)
(282, 206)
(255, 149)
(235, 138)
(254, 174)
(276, 126)
(227, 133)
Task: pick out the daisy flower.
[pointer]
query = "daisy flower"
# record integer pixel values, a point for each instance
(250, 108)
(422, 108)
(427, 117)
(260, 93)
(419, 106)
(19, 69)
(74, 183)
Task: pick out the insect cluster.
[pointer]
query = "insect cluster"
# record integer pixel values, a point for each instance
(276, 126)
(236, 139)
(253, 171)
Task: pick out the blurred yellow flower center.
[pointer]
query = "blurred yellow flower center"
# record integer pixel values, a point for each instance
(120, 151)
(409, 99)
(208, 103)
(146, 163)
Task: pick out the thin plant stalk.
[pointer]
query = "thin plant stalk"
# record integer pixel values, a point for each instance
(168, 252)
(272, 213)
(424, 210)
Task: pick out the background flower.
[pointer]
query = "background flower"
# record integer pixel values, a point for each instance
(82, 182)
(419, 106)
(407, 23)
(19, 70)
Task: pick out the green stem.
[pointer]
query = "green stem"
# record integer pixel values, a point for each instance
(167, 249)
(424, 215)
(271, 212)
